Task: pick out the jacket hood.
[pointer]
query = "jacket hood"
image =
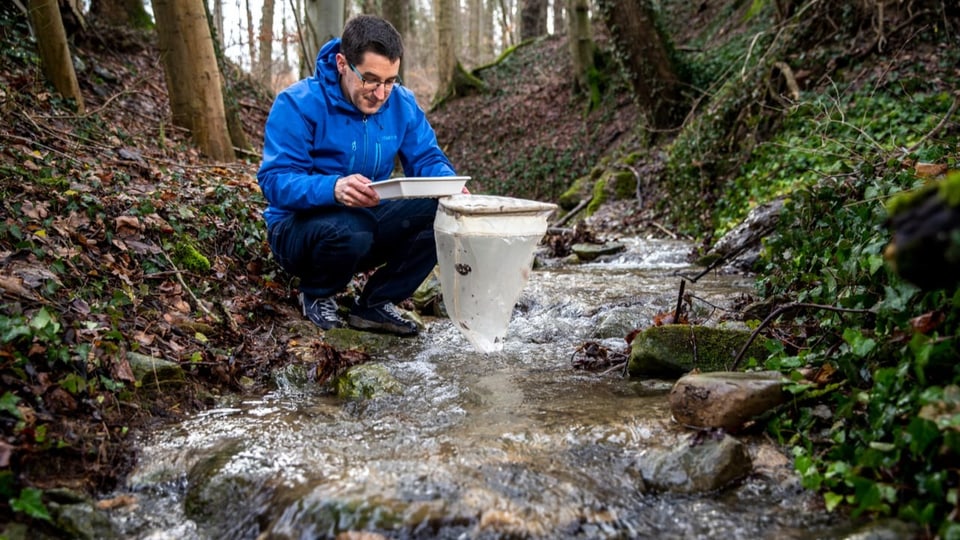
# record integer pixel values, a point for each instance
(327, 61)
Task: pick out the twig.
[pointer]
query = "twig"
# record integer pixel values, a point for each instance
(939, 126)
(614, 368)
(780, 311)
(676, 312)
(188, 289)
(665, 231)
(583, 204)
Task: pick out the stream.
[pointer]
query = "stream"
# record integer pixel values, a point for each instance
(515, 444)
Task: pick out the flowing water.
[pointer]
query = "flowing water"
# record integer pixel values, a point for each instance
(515, 444)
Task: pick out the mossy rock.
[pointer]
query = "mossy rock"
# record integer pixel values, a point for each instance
(154, 372)
(672, 350)
(578, 191)
(366, 381)
(349, 338)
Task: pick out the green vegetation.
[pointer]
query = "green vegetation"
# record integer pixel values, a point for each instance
(877, 430)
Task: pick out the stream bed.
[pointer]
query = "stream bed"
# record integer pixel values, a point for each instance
(515, 444)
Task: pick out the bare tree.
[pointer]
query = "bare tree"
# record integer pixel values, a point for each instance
(54, 50)
(647, 55)
(264, 71)
(251, 40)
(398, 13)
(218, 23)
(475, 13)
(559, 18)
(446, 11)
(580, 40)
(322, 20)
(533, 19)
(192, 75)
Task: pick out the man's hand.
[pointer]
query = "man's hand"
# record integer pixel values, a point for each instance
(355, 190)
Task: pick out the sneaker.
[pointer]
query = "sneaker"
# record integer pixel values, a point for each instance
(385, 318)
(321, 311)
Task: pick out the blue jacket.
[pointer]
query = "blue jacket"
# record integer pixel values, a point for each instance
(314, 136)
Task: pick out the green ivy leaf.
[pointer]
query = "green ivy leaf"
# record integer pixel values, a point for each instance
(860, 345)
(73, 383)
(832, 500)
(30, 502)
(8, 404)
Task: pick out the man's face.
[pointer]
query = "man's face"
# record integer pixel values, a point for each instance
(368, 84)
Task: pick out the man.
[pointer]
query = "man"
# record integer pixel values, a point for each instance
(326, 139)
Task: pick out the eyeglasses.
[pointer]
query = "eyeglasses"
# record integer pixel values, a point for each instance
(371, 86)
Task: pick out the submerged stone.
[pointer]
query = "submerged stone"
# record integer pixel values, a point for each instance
(705, 464)
(366, 381)
(588, 252)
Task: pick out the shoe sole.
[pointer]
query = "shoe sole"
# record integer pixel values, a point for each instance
(363, 324)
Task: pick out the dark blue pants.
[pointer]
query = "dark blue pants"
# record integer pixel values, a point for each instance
(326, 247)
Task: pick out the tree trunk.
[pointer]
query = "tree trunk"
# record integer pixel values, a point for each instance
(251, 39)
(533, 19)
(446, 11)
(322, 20)
(475, 14)
(265, 62)
(398, 13)
(559, 21)
(506, 22)
(193, 80)
(581, 43)
(218, 23)
(647, 57)
(54, 51)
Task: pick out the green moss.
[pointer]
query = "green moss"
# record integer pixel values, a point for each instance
(908, 199)
(675, 349)
(189, 257)
(950, 189)
(599, 195)
(624, 185)
(577, 191)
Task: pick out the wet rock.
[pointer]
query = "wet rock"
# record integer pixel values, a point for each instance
(885, 529)
(672, 350)
(618, 322)
(157, 372)
(741, 245)
(428, 298)
(725, 400)
(348, 338)
(366, 381)
(225, 500)
(82, 521)
(702, 465)
(588, 252)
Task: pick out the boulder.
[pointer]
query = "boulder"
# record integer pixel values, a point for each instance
(725, 400)
(672, 350)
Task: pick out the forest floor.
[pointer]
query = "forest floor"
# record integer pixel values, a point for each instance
(91, 206)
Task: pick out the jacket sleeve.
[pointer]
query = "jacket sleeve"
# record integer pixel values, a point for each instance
(420, 154)
(286, 174)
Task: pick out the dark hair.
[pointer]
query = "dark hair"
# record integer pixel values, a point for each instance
(369, 33)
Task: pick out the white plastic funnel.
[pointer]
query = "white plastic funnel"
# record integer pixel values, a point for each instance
(485, 248)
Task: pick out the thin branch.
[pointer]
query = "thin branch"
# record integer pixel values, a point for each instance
(188, 289)
(780, 311)
(939, 126)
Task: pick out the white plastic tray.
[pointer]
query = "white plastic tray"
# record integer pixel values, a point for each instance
(420, 187)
